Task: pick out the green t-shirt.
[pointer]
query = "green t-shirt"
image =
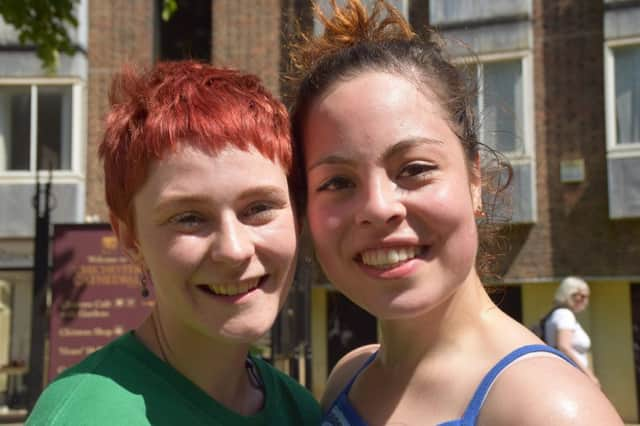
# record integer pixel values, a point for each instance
(126, 384)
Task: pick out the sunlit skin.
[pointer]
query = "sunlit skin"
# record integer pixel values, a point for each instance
(208, 221)
(388, 172)
(579, 301)
(392, 203)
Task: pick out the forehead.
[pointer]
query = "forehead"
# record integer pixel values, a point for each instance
(191, 170)
(374, 107)
(382, 90)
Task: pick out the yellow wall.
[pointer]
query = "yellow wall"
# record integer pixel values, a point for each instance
(608, 322)
(612, 343)
(5, 329)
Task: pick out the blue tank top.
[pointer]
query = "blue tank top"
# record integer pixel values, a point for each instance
(342, 412)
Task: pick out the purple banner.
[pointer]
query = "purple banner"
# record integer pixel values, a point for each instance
(95, 293)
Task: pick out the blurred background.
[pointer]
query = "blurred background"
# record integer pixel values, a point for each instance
(559, 96)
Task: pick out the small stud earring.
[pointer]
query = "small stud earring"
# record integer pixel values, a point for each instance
(143, 282)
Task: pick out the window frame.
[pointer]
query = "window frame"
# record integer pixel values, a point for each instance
(614, 149)
(528, 130)
(77, 149)
(528, 156)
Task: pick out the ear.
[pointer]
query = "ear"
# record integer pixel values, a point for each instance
(475, 184)
(127, 238)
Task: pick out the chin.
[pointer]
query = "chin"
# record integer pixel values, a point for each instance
(247, 330)
(244, 336)
(409, 304)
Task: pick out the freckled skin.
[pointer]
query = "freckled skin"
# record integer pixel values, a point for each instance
(203, 220)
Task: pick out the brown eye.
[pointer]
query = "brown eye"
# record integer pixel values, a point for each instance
(335, 184)
(416, 169)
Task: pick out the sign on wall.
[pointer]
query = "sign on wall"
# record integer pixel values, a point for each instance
(95, 294)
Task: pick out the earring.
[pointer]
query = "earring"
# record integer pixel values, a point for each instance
(480, 215)
(143, 282)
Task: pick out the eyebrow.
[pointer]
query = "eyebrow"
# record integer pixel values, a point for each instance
(256, 191)
(408, 143)
(394, 149)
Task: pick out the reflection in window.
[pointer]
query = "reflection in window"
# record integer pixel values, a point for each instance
(502, 106)
(187, 35)
(54, 127)
(627, 86)
(15, 107)
(49, 142)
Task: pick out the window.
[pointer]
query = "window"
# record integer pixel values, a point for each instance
(187, 35)
(36, 127)
(502, 106)
(622, 95)
(505, 119)
(626, 87)
(325, 7)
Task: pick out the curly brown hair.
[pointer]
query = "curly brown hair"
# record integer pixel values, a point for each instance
(356, 41)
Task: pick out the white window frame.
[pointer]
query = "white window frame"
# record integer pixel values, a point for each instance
(615, 150)
(528, 156)
(75, 173)
(527, 97)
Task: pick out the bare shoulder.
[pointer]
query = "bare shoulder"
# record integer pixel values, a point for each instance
(546, 390)
(344, 371)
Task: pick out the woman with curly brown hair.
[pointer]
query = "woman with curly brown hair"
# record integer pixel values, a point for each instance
(385, 140)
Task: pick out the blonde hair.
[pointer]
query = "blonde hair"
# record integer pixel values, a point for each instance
(567, 288)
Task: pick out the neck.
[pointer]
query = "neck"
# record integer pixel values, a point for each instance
(454, 325)
(216, 366)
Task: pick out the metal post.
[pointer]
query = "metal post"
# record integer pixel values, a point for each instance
(35, 376)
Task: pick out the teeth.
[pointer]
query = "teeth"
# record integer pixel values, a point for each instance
(234, 289)
(384, 258)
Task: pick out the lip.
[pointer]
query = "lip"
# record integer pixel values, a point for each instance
(398, 270)
(392, 242)
(236, 298)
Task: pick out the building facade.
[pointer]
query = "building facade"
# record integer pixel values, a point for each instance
(559, 96)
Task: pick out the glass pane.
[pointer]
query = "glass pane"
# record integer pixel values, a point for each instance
(627, 66)
(15, 107)
(54, 127)
(502, 106)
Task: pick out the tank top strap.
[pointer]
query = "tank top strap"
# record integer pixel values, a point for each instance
(360, 370)
(473, 409)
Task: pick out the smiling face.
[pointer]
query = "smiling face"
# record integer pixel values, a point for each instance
(579, 300)
(218, 236)
(391, 199)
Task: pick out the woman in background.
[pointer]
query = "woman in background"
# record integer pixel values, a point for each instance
(196, 163)
(385, 136)
(562, 329)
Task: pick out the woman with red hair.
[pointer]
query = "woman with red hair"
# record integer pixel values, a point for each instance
(196, 162)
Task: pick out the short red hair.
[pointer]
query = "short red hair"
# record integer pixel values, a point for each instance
(184, 103)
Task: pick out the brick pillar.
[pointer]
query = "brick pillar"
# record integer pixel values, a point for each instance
(120, 31)
(246, 35)
(569, 88)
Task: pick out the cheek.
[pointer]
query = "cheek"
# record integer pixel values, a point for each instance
(448, 205)
(324, 222)
(280, 240)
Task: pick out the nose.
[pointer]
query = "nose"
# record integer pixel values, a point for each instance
(232, 244)
(381, 203)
